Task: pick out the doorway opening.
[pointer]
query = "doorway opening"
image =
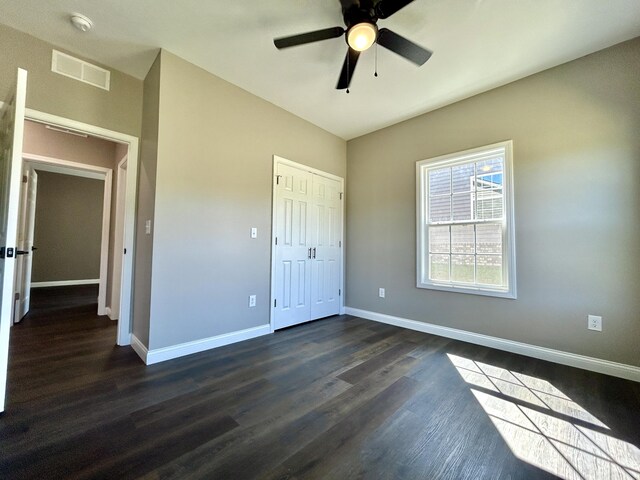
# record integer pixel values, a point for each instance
(81, 226)
(97, 154)
(63, 230)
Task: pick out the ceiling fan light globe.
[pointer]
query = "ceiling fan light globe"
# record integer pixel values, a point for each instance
(362, 35)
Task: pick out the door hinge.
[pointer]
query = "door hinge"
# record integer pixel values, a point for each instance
(339, 292)
(339, 243)
(125, 251)
(276, 240)
(340, 195)
(278, 179)
(275, 302)
(25, 179)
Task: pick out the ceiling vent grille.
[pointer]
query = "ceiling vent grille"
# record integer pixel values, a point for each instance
(80, 70)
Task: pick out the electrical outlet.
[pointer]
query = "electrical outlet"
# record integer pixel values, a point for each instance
(594, 322)
(381, 292)
(252, 300)
(254, 232)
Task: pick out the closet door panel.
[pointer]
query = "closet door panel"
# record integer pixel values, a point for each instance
(292, 265)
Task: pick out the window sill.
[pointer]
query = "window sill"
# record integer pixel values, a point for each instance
(443, 287)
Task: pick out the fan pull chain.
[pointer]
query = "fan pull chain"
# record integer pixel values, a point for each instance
(348, 55)
(375, 74)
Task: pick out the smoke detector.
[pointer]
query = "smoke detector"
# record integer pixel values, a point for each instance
(81, 22)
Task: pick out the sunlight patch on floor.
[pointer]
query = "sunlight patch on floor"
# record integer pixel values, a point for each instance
(545, 428)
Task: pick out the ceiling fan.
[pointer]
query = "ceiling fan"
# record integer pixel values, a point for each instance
(361, 17)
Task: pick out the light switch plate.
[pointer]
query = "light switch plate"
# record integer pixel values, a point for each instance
(254, 232)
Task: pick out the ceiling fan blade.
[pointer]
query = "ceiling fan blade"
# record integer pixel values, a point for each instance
(403, 47)
(348, 68)
(386, 8)
(309, 37)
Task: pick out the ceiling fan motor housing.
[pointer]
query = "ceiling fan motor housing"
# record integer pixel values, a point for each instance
(358, 12)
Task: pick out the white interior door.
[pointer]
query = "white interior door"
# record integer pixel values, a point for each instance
(24, 255)
(11, 136)
(326, 234)
(31, 228)
(307, 246)
(293, 251)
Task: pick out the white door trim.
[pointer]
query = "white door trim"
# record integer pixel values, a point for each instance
(124, 322)
(67, 167)
(118, 248)
(283, 161)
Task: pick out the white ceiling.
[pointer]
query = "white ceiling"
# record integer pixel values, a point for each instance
(477, 45)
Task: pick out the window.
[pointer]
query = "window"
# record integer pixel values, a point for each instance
(465, 222)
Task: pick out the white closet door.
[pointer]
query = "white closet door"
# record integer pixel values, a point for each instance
(292, 252)
(326, 233)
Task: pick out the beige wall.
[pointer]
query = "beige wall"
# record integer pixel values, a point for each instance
(68, 228)
(39, 140)
(119, 109)
(146, 199)
(213, 183)
(576, 137)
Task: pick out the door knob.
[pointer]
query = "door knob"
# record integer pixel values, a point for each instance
(309, 254)
(314, 252)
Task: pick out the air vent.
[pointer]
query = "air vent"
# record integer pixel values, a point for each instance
(80, 70)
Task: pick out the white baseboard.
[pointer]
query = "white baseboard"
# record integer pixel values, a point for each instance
(167, 353)
(607, 367)
(63, 283)
(109, 313)
(139, 348)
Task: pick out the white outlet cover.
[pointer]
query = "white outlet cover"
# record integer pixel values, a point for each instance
(252, 300)
(594, 322)
(381, 292)
(254, 232)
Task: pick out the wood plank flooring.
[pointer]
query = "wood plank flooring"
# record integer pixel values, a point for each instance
(340, 398)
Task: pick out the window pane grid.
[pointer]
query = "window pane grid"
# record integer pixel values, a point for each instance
(457, 260)
(447, 192)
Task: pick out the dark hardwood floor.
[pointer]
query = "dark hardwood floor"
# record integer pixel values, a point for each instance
(339, 398)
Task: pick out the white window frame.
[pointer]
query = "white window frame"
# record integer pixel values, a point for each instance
(508, 225)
